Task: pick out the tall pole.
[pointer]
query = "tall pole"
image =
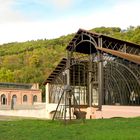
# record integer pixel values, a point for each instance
(68, 82)
(90, 80)
(100, 75)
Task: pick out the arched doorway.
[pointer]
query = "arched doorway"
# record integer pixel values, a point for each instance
(3, 99)
(14, 99)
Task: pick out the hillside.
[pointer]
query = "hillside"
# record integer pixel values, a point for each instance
(32, 61)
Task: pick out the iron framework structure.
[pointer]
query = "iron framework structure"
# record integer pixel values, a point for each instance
(100, 70)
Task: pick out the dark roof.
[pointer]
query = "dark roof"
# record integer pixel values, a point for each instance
(56, 71)
(97, 35)
(15, 85)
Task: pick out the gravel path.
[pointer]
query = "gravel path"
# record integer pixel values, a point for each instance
(11, 118)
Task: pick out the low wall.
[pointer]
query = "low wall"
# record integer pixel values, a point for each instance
(118, 111)
(23, 107)
(107, 112)
(50, 109)
(41, 113)
(38, 111)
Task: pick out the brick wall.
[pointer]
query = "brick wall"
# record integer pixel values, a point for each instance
(19, 94)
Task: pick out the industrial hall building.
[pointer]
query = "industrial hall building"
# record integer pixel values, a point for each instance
(17, 95)
(99, 74)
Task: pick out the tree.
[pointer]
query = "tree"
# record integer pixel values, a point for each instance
(6, 75)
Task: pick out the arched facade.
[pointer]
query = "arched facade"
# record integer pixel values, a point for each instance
(20, 95)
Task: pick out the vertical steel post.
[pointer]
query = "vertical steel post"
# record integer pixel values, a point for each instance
(100, 75)
(65, 103)
(70, 106)
(90, 79)
(68, 82)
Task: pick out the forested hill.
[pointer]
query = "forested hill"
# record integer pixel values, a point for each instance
(32, 61)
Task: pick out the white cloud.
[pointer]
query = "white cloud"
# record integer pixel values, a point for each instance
(34, 30)
(56, 4)
(123, 14)
(7, 13)
(62, 3)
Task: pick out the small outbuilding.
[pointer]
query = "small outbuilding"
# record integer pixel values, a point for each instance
(17, 94)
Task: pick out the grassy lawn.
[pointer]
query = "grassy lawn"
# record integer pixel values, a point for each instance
(104, 129)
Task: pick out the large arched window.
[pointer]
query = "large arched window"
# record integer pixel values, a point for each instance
(25, 98)
(34, 98)
(3, 99)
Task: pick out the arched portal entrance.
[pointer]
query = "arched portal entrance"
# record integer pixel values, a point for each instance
(3, 99)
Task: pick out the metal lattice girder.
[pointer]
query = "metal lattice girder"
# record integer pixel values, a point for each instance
(127, 56)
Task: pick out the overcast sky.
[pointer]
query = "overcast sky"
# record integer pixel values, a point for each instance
(22, 20)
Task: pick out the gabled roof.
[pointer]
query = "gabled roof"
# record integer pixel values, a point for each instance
(97, 35)
(62, 63)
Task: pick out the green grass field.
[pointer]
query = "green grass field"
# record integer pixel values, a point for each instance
(104, 129)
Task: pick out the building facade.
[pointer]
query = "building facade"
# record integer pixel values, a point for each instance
(13, 94)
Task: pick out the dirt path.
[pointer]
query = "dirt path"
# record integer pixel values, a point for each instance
(11, 118)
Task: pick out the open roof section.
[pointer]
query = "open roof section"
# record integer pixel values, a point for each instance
(56, 71)
(84, 38)
(81, 44)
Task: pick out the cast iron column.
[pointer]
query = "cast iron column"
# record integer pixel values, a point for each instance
(68, 92)
(100, 75)
(90, 80)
